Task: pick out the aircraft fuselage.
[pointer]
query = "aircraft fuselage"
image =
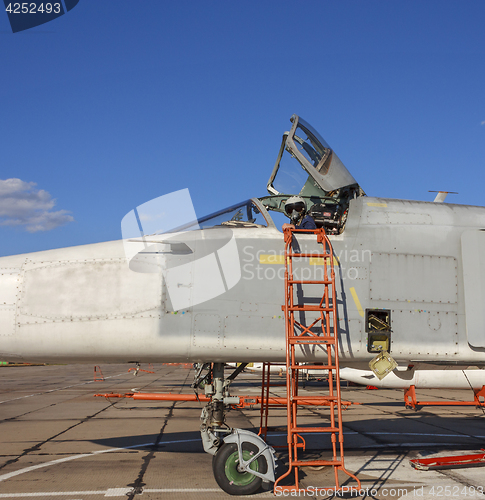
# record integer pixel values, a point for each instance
(416, 263)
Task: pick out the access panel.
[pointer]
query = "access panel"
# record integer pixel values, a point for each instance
(473, 251)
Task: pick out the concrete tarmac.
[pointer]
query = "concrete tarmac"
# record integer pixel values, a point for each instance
(59, 442)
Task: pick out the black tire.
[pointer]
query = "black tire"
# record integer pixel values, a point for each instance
(232, 481)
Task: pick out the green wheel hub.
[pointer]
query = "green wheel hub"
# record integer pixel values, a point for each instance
(232, 473)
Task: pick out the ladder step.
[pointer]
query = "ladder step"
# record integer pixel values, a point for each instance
(310, 308)
(313, 367)
(305, 336)
(316, 430)
(310, 282)
(314, 398)
(317, 463)
(306, 341)
(310, 255)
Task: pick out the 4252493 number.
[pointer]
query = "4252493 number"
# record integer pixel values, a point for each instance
(32, 8)
(456, 491)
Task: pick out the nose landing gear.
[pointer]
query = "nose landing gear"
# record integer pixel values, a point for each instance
(241, 461)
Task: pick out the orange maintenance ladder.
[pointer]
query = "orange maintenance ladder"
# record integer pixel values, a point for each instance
(321, 335)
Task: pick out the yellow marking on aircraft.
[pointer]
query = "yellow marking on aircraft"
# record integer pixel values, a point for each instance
(271, 259)
(319, 261)
(369, 204)
(280, 259)
(357, 301)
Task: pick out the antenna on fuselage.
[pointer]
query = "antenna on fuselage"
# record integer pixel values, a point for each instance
(440, 197)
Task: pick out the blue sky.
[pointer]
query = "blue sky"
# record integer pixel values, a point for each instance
(121, 101)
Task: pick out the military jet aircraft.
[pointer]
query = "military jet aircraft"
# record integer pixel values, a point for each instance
(409, 276)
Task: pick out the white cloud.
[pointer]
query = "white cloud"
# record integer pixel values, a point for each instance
(483, 123)
(22, 204)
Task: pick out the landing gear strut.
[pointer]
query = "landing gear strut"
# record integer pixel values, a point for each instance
(241, 460)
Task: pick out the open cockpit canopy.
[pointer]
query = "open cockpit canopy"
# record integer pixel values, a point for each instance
(308, 167)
